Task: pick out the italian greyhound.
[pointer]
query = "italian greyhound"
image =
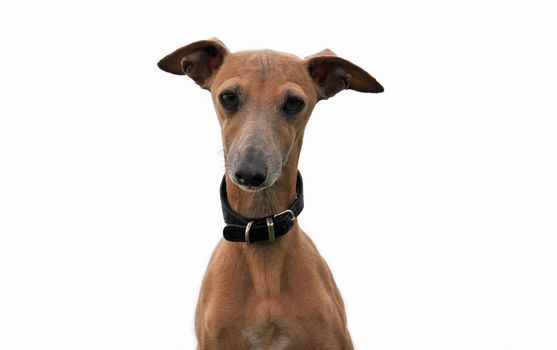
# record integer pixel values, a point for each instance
(266, 286)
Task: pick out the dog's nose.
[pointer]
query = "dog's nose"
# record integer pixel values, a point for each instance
(252, 169)
(249, 174)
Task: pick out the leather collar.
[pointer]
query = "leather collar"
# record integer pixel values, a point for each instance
(242, 229)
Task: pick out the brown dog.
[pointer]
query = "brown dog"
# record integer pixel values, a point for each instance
(276, 294)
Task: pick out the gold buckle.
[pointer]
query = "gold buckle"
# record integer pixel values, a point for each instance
(248, 227)
(286, 211)
(271, 229)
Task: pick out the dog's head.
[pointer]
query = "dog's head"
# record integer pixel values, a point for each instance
(263, 101)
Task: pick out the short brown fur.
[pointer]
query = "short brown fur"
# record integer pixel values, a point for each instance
(268, 295)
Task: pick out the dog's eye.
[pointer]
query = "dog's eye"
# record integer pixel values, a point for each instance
(229, 100)
(293, 105)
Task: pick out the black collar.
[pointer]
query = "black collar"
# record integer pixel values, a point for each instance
(242, 229)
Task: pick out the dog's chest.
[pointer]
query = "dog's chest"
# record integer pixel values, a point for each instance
(258, 342)
(265, 326)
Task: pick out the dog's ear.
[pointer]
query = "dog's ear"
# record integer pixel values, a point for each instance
(198, 60)
(333, 74)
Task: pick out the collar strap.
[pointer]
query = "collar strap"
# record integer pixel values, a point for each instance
(242, 229)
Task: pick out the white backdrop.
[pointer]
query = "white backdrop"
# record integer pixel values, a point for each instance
(445, 185)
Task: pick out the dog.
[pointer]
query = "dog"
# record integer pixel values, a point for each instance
(266, 286)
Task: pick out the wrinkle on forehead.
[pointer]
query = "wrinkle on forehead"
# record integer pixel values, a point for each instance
(264, 67)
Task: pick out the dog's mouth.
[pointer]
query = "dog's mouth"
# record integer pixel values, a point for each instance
(250, 188)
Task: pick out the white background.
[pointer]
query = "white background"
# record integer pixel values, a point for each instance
(444, 187)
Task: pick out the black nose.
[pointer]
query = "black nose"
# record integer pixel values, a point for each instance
(252, 170)
(250, 175)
